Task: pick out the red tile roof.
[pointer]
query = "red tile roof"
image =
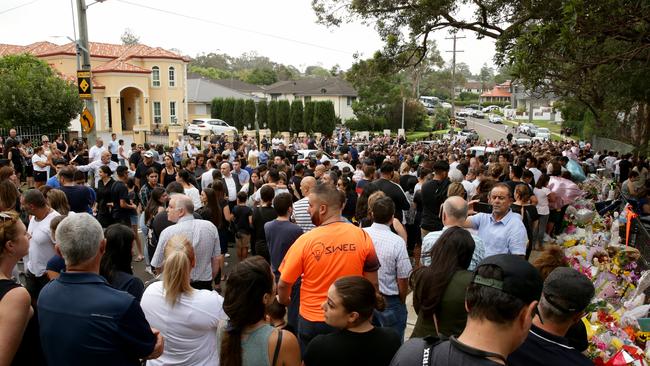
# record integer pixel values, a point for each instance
(120, 65)
(119, 53)
(501, 90)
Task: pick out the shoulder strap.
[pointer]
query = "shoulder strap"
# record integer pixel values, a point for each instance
(276, 353)
(430, 342)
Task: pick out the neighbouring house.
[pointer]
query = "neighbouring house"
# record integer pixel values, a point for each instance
(473, 86)
(135, 87)
(338, 91)
(540, 103)
(499, 93)
(201, 92)
(240, 86)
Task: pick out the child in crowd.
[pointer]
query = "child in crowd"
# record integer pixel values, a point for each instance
(276, 316)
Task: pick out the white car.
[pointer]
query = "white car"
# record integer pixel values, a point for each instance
(523, 141)
(217, 126)
(304, 155)
(524, 128)
(478, 114)
(491, 108)
(542, 134)
(445, 105)
(495, 119)
(482, 150)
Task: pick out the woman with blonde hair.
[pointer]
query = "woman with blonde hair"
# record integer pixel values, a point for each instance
(18, 328)
(187, 318)
(58, 201)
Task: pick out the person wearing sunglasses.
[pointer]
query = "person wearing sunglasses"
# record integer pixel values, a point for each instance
(18, 329)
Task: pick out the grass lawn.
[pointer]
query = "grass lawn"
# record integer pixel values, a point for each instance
(422, 135)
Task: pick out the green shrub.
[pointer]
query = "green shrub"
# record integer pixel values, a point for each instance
(216, 108)
(262, 114)
(296, 116)
(227, 113)
(308, 117)
(249, 114)
(238, 114)
(283, 115)
(273, 116)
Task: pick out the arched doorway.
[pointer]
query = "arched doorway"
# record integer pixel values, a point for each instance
(130, 108)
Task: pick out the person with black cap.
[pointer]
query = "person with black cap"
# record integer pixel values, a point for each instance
(500, 301)
(565, 296)
(392, 190)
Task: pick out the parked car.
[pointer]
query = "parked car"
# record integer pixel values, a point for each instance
(482, 150)
(461, 122)
(216, 126)
(478, 114)
(542, 134)
(474, 107)
(464, 113)
(491, 108)
(524, 128)
(470, 134)
(523, 141)
(304, 155)
(495, 119)
(532, 131)
(445, 105)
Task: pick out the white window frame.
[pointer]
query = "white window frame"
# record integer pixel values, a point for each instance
(350, 101)
(155, 82)
(156, 118)
(172, 112)
(171, 73)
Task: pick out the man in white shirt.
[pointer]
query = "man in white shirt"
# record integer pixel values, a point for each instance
(41, 245)
(206, 178)
(531, 165)
(395, 266)
(454, 213)
(192, 150)
(105, 159)
(95, 152)
(231, 183)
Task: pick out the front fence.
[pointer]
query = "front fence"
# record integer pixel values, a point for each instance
(34, 133)
(156, 138)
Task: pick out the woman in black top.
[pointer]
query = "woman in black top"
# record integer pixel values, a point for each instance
(104, 200)
(219, 194)
(12, 153)
(19, 342)
(168, 172)
(528, 212)
(347, 186)
(350, 304)
(115, 266)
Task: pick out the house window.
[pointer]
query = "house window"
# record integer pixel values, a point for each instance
(308, 98)
(172, 77)
(155, 76)
(157, 114)
(172, 112)
(351, 100)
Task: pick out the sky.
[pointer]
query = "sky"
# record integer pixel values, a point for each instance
(285, 31)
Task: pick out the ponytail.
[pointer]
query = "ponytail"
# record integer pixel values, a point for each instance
(231, 351)
(179, 256)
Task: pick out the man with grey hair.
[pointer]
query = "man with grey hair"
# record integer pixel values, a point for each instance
(201, 233)
(454, 213)
(565, 295)
(96, 151)
(83, 320)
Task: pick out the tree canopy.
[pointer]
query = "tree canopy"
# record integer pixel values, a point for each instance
(31, 93)
(593, 51)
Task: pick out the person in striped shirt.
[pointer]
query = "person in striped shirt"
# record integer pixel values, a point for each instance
(300, 207)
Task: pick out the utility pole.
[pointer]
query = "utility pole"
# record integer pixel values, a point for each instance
(453, 75)
(82, 46)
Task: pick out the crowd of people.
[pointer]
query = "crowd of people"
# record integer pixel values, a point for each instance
(328, 247)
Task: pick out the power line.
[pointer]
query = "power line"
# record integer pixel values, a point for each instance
(17, 7)
(234, 27)
(453, 75)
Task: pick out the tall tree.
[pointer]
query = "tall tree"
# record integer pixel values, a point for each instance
(238, 114)
(261, 77)
(318, 71)
(324, 117)
(228, 111)
(249, 114)
(216, 108)
(129, 37)
(272, 116)
(296, 115)
(262, 114)
(283, 115)
(31, 94)
(308, 117)
(486, 76)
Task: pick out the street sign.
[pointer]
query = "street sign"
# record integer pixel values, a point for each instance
(87, 120)
(85, 85)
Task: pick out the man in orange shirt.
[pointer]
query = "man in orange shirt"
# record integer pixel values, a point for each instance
(333, 249)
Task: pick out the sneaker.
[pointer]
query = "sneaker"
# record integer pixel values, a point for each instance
(148, 270)
(227, 255)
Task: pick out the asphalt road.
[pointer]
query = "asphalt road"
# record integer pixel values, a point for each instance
(487, 130)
